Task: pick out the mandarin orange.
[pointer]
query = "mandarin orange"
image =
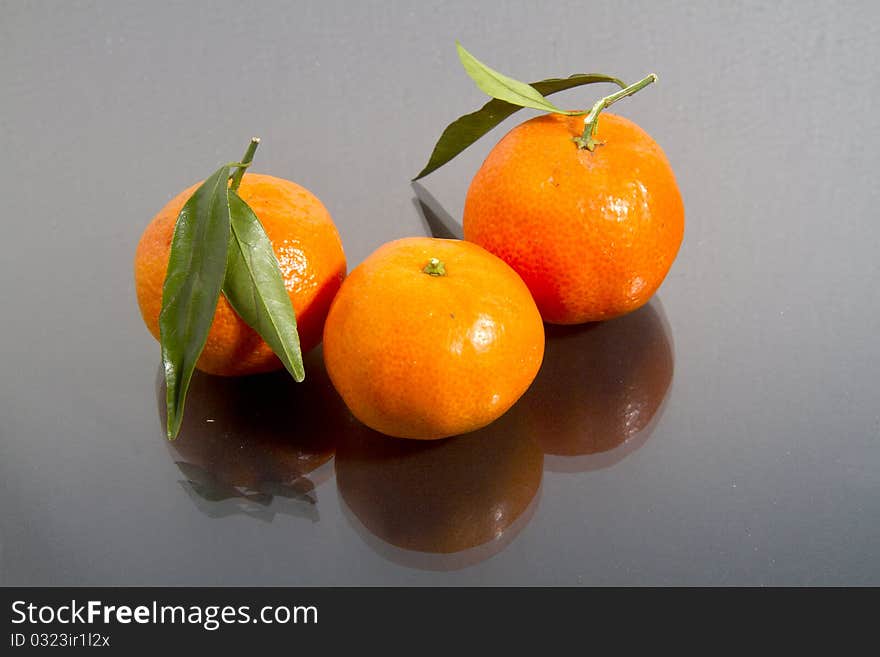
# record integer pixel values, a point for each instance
(311, 259)
(429, 338)
(592, 233)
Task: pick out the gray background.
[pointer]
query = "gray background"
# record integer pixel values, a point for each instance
(763, 466)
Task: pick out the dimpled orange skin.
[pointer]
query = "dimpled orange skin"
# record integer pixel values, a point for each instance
(593, 234)
(425, 357)
(309, 253)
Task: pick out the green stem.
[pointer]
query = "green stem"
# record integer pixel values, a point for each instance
(435, 267)
(587, 140)
(244, 164)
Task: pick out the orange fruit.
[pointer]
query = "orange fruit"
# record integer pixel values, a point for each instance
(309, 253)
(416, 355)
(592, 234)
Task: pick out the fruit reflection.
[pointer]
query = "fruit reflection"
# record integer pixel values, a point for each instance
(468, 495)
(260, 436)
(599, 388)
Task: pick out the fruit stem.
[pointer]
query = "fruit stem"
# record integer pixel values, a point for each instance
(587, 139)
(245, 163)
(435, 267)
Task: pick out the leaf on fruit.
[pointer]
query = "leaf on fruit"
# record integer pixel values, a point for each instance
(196, 268)
(467, 129)
(255, 288)
(499, 86)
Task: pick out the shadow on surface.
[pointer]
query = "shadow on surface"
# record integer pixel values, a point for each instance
(248, 441)
(437, 220)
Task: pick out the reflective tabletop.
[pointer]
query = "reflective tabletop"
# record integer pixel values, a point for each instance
(727, 433)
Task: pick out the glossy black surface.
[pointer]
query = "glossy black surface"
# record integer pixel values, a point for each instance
(727, 433)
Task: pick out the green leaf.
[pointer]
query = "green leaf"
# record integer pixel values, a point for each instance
(499, 86)
(255, 289)
(196, 267)
(467, 129)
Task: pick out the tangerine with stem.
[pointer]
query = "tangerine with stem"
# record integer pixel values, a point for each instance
(586, 209)
(309, 253)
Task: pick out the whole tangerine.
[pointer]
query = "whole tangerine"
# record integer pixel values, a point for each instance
(429, 338)
(593, 233)
(309, 253)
